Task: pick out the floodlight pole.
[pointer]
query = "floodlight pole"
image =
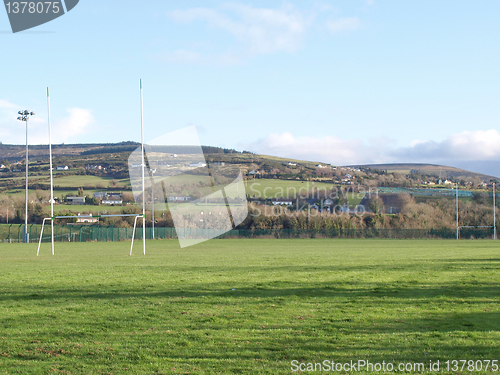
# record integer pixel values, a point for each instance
(51, 176)
(25, 232)
(143, 182)
(24, 116)
(494, 215)
(456, 187)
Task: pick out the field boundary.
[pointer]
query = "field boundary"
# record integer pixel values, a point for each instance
(12, 233)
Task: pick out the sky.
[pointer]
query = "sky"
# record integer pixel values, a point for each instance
(341, 82)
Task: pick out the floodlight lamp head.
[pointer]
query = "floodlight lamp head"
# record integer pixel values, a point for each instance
(26, 112)
(32, 113)
(20, 112)
(20, 118)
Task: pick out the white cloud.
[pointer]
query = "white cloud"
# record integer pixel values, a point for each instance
(260, 30)
(480, 145)
(344, 24)
(67, 129)
(467, 145)
(4, 104)
(331, 149)
(257, 31)
(75, 124)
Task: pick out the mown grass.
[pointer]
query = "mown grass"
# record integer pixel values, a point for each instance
(245, 306)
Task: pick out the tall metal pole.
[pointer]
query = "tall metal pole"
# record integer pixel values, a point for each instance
(456, 186)
(25, 234)
(51, 176)
(143, 182)
(494, 215)
(153, 200)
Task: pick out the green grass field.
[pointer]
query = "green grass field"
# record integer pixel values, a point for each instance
(245, 306)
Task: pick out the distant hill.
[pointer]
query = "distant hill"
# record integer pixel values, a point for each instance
(14, 153)
(80, 154)
(441, 171)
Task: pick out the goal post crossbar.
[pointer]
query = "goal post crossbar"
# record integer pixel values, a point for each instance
(476, 226)
(92, 216)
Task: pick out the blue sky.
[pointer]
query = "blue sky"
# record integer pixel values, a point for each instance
(343, 82)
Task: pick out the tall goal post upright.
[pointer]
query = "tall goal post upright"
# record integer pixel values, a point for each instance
(494, 215)
(143, 166)
(51, 218)
(456, 200)
(51, 176)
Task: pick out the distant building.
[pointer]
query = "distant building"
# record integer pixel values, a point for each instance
(62, 167)
(76, 200)
(198, 165)
(178, 198)
(87, 219)
(111, 200)
(93, 166)
(218, 163)
(100, 194)
(282, 202)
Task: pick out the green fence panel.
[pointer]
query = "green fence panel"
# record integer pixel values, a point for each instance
(84, 233)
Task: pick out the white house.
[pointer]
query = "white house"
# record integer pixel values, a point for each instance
(197, 165)
(282, 202)
(218, 163)
(87, 219)
(178, 198)
(62, 167)
(111, 200)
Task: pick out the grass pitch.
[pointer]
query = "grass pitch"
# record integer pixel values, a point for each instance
(245, 306)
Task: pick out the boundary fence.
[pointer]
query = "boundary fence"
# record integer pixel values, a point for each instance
(86, 233)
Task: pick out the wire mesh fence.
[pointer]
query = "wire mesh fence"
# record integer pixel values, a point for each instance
(13, 233)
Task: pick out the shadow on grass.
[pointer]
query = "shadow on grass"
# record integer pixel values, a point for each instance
(395, 292)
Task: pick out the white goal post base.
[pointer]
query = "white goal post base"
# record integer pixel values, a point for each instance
(136, 216)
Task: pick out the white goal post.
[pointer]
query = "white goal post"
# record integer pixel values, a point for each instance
(137, 216)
